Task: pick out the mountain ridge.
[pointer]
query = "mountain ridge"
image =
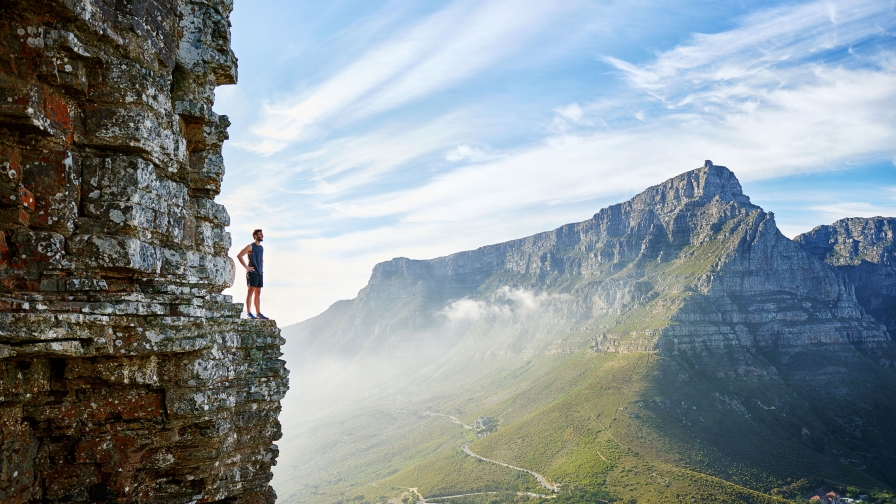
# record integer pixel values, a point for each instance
(693, 237)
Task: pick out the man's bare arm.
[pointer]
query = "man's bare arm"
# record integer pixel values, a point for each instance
(239, 257)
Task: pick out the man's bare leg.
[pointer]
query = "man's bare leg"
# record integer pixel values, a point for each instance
(257, 300)
(249, 300)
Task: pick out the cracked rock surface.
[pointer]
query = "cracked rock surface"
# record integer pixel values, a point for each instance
(125, 374)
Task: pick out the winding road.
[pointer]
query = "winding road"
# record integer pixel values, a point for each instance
(541, 479)
(522, 494)
(453, 419)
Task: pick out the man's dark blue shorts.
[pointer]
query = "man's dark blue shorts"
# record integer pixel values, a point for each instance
(254, 279)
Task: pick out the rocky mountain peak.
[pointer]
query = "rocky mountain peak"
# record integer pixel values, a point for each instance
(698, 186)
(719, 181)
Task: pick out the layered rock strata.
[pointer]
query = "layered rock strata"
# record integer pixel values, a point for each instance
(687, 265)
(863, 249)
(125, 374)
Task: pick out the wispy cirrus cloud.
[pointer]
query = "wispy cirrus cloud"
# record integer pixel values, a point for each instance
(449, 46)
(757, 52)
(465, 153)
(855, 209)
(351, 161)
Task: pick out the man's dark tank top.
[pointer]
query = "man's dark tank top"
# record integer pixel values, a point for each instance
(256, 258)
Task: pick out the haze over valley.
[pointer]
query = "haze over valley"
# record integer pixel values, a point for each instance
(676, 346)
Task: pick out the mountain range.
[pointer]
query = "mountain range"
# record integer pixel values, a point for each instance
(673, 347)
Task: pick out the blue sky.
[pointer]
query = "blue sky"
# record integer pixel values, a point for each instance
(367, 130)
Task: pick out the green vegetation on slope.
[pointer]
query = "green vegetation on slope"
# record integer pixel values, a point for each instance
(633, 426)
(456, 473)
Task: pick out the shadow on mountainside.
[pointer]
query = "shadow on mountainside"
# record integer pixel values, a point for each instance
(674, 347)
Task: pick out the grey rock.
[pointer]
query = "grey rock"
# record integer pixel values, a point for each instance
(863, 249)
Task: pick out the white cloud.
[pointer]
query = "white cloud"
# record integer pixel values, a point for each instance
(766, 41)
(844, 114)
(525, 299)
(504, 302)
(493, 30)
(352, 161)
(855, 209)
(447, 47)
(569, 117)
(572, 113)
(465, 152)
(343, 164)
(467, 309)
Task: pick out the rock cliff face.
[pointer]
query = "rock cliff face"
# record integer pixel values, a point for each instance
(865, 251)
(125, 376)
(687, 265)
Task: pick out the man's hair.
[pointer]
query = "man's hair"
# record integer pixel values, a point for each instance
(255, 232)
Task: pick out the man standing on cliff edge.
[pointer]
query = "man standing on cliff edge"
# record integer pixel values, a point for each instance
(254, 278)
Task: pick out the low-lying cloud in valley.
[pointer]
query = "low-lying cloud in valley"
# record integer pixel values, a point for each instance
(504, 302)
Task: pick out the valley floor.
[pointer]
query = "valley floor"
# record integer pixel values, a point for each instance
(618, 427)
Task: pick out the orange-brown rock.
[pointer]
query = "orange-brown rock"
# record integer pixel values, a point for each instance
(125, 374)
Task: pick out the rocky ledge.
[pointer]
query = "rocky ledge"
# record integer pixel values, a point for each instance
(125, 374)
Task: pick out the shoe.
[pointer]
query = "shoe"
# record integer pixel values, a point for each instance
(251, 316)
(262, 317)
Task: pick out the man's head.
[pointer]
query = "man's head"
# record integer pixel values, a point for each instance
(257, 235)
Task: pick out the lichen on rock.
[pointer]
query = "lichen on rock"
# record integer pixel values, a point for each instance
(125, 374)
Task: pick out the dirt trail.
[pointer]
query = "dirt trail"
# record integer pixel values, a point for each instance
(419, 496)
(541, 479)
(453, 419)
(522, 494)
(598, 423)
